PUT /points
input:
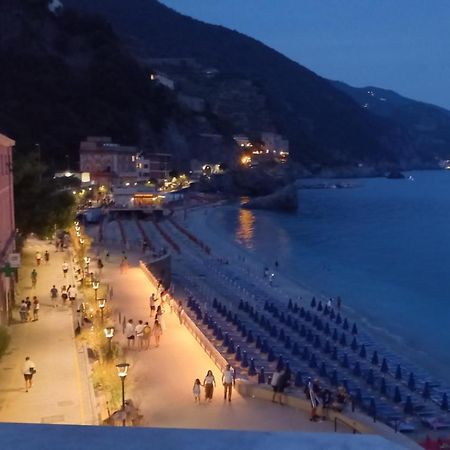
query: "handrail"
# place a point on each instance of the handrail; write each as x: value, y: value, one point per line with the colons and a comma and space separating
x: 172, y: 243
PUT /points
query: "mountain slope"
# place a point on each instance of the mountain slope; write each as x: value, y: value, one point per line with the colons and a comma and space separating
x: 324, y: 124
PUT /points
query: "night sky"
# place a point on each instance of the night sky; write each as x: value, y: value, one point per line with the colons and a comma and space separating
x: 402, y: 45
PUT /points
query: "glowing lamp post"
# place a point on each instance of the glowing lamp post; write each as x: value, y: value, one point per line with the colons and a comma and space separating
x: 95, y: 285
x: 122, y: 371
x: 109, y: 333
x: 101, y: 305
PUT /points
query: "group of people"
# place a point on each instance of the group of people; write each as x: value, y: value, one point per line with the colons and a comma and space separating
x: 279, y: 382
x: 38, y: 257
x: 29, y: 310
x: 69, y: 292
x: 142, y: 333
x: 209, y: 383
x: 323, y: 397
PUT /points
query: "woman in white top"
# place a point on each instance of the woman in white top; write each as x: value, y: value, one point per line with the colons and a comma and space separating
x: 209, y: 384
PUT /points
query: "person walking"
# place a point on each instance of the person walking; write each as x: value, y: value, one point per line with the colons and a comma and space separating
x: 64, y: 295
x: 65, y: 268
x: 28, y: 370
x: 54, y: 296
x: 152, y: 304
x: 129, y: 333
x: 34, y: 276
x: 23, y: 311
x: 228, y: 382
x: 139, y: 330
x: 28, y: 303
x: 314, y: 400
x: 46, y: 257
x: 196, y: 390
x: 72, y: 293
x: 147, y: 334
x: 36, y: 307
x: 209, y: 383
x: 38, y: 258
x: 157, y: 332
x: 275, y: 383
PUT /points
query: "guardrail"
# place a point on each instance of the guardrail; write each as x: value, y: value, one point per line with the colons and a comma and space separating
x: 172, y: 243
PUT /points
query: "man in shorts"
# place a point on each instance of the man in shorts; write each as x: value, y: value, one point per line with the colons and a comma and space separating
x: 129, y: 333
x: 65, y: 268
x: 28, y: 370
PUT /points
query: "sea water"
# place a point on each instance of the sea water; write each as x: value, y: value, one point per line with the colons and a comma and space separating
x: 383, y: 246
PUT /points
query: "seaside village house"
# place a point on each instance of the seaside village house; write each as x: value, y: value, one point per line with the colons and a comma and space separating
x: 124, y: 169
x: 7, y: 229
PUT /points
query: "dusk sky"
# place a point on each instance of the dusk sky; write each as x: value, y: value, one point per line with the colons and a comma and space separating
x: 402, y: 45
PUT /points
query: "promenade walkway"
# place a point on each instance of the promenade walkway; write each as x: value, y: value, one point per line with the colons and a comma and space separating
x: 160, y: 379
x: 61, y: 389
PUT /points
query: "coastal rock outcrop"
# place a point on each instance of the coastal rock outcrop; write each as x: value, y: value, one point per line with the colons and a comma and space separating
x: 284, y: 199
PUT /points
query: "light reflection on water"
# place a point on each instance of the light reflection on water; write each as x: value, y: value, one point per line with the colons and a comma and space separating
x: 246, y: 227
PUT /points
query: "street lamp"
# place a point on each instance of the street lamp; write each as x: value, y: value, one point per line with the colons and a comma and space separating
x: 109, y: 333
x: 101, y: 305
x: 122, y: 371
x: 95, y: 285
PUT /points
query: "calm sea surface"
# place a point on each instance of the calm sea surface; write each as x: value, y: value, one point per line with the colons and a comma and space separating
x: 384, y: 247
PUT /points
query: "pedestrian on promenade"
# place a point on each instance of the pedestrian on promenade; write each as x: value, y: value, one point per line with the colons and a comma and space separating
x: 152, y: 304
x: 139, y: 330
x: 313, y: 395
x: 47, y: 257
x: 64, y: 295
x: 180, y: 312
x: 157, y: 332
x: 100, y: 265
x: 34, y: 276
x: 124, y: 264
x: 28, y: 303
x: 147, y: 334
x: 196, y: 390
x: 54, y: 295
x: 72, y: 293
x: 38, y: 258
x: 28, y: 370
x: 129, y: 333
x: 228, y: 382
x: 65, y: 268
x: 159, y: 317
x: 23, y: 311
x: 209, y: 384
x: 36, y: 308
x: 275, y: 383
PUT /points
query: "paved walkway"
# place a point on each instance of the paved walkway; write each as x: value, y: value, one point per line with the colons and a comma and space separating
x: 60, y: 392
x: 160, y: 379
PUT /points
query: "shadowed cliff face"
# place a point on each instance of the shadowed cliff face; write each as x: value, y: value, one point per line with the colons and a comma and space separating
x: 325, y: 126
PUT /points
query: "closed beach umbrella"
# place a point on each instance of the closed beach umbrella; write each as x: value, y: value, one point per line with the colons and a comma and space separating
x: 243, y: 330
x: 357, y: 369
x: 354, y: 344
x: 319, y: 325
x: 250, y: 338
x: 323, y: 370
x: 295, y: 310
x: 372, y: 408
x: 334, y: 378
x: 326, y: 311
x: 344, y: 361
x: 287, y: 342
x: 282, y: 318
x: 327, y: 347
x: 305, y: 353
x: 426, y: 390
x: 289, y: 320
x: 309, y: 336
x: 397, y: 395
x: 444, y: 402
x: 246, y: 307
x: 313, y: 302
x: 334, y: 353
x: 338, y: 319
x: 235, y: 319
x: 231, y: 348
x: 398, y: 372
x: 244, y: 362
x: 308, y: 316
x: 384, y: 366
x: 252, y: 368
x: 264, y: 346
x: 327, y: 330
x: 219, y: 334
x: 362, y: 351
x: 332, y: 315
x: 302, y: 331
x: 298, y: 379
x: 266, y: 305
x: 319, y: 306
x: 241, y: 303
x: 238, y: 356
x: 295, y: 325
x: 290, y: 306
x: 281, y: 335
x: 270, y: 355
x: 343, y: 340
x: 370, y: 378
x: 302, y: 312
x: 258, y: 342
x: 226, y: 340
x: 345, y: 325
x: 316, y: 341
x: 383, y: 386
x: 274, y: 331
x: 375, y: 358
x: 280, y: 363
x: 263, y: 322
x: 261, y: 376
x: 354, y: 329
x: 295, y: 349
x: 409, y: 409
x: 206, y: 319
x: 313, y: 361
x: 335, y: 335
x: 411, y: 382
x: 229, y: 316
x: 256, y: 317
